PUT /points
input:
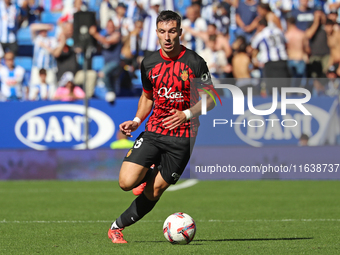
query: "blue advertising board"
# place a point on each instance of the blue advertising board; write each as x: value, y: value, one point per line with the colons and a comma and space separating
x: 57, y: 125
x: 221, y: 127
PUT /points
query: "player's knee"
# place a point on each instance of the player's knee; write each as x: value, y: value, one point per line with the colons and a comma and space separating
x: 124, y: 185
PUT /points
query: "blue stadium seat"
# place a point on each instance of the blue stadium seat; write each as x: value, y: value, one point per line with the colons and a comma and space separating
x: 97, y: 63
x: 25, y: 62
x: 24, y: 36
x: 50, y: 17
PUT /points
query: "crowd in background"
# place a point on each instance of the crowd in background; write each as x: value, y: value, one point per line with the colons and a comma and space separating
x: 249, y: 41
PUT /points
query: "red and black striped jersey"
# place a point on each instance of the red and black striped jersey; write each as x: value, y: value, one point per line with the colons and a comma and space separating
x: 170, y: 82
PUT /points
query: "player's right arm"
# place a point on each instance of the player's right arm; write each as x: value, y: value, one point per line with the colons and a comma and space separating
x: 144, y: 108
x: 145, y: 105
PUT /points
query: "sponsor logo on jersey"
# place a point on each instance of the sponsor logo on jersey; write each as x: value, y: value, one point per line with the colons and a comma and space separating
x: 62, y: 124
x: 167, y: 93
x: 184, y: 75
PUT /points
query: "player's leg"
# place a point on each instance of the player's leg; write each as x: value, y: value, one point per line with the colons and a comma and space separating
x: 144, y: 203
x: 131, y: 174
x: 134, y: 170
x: 141, y: 186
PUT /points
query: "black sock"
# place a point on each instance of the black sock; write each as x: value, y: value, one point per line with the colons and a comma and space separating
x: 137, y: 210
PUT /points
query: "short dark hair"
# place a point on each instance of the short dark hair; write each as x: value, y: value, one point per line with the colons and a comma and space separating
x: 166, y: 16
x: 42, y: 71
x: 265, y: 7
x: 330, y: 22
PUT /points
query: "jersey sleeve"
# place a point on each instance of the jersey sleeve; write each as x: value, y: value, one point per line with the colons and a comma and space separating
x: 203, y: 76
x: 256, y: 41
x: 147, y: 85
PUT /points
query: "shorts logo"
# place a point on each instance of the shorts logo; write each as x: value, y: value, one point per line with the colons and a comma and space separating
x: 175, y: 176
x: 138, y: 143
x: 129, y: 153
x: 184, y: 75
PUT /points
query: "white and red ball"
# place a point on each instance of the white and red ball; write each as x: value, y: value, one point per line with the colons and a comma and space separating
x: 179, y: 228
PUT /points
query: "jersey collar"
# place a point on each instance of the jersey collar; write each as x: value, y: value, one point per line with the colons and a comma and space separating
x: 174, y: 58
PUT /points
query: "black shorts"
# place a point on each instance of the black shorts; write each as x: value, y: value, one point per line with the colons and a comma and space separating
x: 170, y: 153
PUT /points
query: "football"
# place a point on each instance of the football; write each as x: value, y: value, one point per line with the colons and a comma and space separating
x: 179, y: 228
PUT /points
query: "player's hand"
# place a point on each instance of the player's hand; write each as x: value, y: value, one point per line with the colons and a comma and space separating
x: 128, y: 126
x: 175, y: 120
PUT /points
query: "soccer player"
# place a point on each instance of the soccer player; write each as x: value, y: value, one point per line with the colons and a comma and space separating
x: 172, y: 127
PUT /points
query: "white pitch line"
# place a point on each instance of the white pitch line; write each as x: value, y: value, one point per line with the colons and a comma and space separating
x: 212, y: 220
x: 183, y: 185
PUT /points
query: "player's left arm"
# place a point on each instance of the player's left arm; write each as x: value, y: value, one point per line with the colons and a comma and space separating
x: 180, y: 117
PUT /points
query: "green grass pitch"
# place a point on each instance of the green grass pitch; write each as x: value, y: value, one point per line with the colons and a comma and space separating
x: 232, y: 217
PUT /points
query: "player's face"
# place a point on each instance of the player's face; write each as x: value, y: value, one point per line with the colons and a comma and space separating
x: 168, y: 35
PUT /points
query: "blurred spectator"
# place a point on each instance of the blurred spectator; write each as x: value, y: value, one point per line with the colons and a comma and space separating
x: 123, y: 24
x: 11, y: 20
x: 42, y: 91
x: 64, y: 53
x: 246, y: 18
x: 181, y: 7
x: 333, y: 40
x: 193, y: 25
x: 269, y: 44
x: 135, y: 10
x: 232, y: 23
x: 264, y: 11
x: 106, y: 11
x: 304, y: 15
x: 241, y: 64
x: 149, y: 39
x: 13, y: 80
x: 67, y: 91
x: 303, y: 141
x: 66, y: 58
x: 44, y: 46
x: 319, y: 50
x: 332, y: 6
x: 2, y: 53
x: 69, y: 10
x: 32, y: 11
x: 222, y: 42
x: 131, y: 50
x: 221, y: 18
x: 333, y: 15
x: 111, y: 43
x: 333, y: 84
x: 122, y: 142
x: 297, y: 49
x: 216, y: 59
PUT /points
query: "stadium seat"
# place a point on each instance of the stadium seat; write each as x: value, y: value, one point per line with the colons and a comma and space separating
x: 50, y: 17
x: 25, y: 62
x: 97, y: 63
x: 24, y: 36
